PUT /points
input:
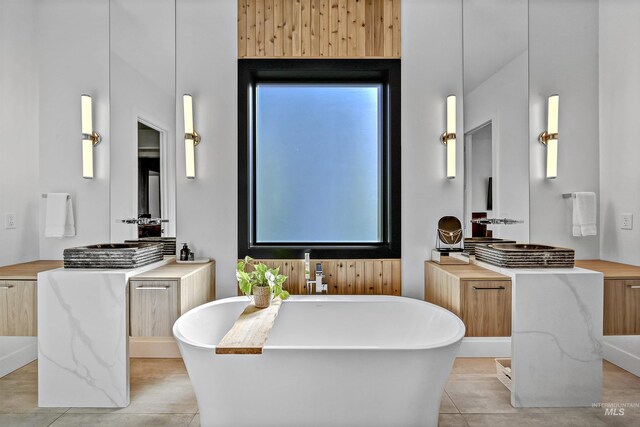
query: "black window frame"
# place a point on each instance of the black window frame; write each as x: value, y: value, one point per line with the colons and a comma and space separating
x: 380, y: 71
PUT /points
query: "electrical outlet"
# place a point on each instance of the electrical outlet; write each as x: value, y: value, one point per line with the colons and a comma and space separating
x: 9, y: 220
x: 626, y: 221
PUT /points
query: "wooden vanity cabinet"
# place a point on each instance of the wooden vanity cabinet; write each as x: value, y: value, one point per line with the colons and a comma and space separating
x: 480, y: 297
x: 158, y: 297
x: 18, y: 308
x: 621, y: 296
x: 19, y: 297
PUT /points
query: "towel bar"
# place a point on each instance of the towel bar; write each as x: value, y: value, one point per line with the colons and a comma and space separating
x: 44, y: 196
x: 569, y: 196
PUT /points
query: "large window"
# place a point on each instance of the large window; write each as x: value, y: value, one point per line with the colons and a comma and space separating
x: 317, y: 148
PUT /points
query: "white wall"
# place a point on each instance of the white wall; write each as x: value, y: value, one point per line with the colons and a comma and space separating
x: 503, y: 100
x: 431, y: 70
x: 73, y: 37
x: 563, y: 58
x: 619, y: 128
x: 18, y: 131
x: 206, y: 68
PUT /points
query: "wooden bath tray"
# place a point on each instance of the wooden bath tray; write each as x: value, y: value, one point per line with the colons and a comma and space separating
x: 250, y: 332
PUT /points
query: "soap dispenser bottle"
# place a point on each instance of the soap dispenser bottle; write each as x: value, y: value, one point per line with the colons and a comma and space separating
x: 184, y: 252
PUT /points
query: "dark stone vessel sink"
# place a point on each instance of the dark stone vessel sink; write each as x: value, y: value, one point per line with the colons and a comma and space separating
x: 524, y: 247
x: 113, y: 255
x: 525, y: 255
x: 470, y: 243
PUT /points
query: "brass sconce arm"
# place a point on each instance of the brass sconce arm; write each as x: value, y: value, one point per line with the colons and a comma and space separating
x: 544, y: 137
x: 195, y: 137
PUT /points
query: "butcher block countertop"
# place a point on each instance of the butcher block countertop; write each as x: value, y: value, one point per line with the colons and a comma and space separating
x: 28, y: 270
x: 469, y: 271
x: 611, y: 270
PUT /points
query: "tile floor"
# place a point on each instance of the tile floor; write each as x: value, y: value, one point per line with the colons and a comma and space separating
x: 161, y: 395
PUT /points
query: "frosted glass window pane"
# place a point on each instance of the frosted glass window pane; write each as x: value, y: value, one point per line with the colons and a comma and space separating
x: 318, y: 161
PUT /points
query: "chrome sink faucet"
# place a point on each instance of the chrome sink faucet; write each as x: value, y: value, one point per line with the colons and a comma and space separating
x: 320, y: 288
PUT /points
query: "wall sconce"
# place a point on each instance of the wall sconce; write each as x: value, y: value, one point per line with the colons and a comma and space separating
x: 449, y: 137
x: 191, y: 137
x: 89, y: 137
x: 550, y: 136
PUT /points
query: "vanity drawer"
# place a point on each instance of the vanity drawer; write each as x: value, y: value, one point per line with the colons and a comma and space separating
x: 621, y: 307
x: 18, y: 309
x: 154, y: 307
x: 486, y: 308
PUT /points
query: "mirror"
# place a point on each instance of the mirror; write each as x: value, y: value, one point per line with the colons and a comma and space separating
x: 496, y: 117
x: 143, y: 116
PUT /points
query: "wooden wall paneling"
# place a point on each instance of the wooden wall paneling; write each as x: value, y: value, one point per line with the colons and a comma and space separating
x: 396, y: 277
x: 387, y: 288
x: 350, y: 288
x: 287, y: 16
x: 378, y: 28
x: 344, y: 276
x: 377, y: 277
x: 352, y: 47
x: 330, y: 269
x: 251, y: 28
x: 361, y: 28
x: 296, y: 25
x: 397, y: 40
x: 388, y: 28
x: 319, y: 28
x: 305, y: 29
x: 259, y: 27
x: 369, y: 20
x: 333, y: 28
x: 342, y: 28
x: 359, y: 279
x: 369, y: 275
x: 341, y: 270
x: 278, y: 27
x: 268, y: 28
x: 242, y: 28
x: 324, y: 27
x: 315, y: 28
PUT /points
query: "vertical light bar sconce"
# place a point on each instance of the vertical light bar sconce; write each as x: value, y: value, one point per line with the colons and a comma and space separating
x: 550, y: 136
x: 449, y: 137
x: 89, y: 137
x: 191, y: 137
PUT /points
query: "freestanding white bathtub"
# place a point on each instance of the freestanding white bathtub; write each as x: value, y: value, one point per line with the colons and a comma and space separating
x: 329, y: 361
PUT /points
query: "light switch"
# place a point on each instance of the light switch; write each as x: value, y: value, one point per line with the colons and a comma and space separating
x: 626, y: 221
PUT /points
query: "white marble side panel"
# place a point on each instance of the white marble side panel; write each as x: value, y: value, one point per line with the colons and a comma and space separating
x: 556, y: 337
x: 83, y: 338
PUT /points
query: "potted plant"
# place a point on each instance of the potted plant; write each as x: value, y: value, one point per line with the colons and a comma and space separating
x: 261, y: 282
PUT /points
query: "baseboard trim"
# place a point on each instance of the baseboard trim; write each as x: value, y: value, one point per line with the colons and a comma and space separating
x: 154, y: 347
x: 485, y: 347
x: 19, y: 352
x: 621, y: 357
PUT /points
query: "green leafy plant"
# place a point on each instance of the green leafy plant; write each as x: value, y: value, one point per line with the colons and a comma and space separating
x: 260, y: 276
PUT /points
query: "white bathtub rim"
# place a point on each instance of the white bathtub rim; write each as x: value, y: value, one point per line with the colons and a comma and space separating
x: 456, y: 338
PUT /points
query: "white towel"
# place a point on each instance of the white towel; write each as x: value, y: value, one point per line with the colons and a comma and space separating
x: 59, y: 221
x: 584, y: 214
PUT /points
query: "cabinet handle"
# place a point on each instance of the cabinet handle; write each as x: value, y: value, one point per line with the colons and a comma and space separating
x: 499, y: 288
x: 634, y: 286
x: 6, y: 287
x: 152, y: 288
